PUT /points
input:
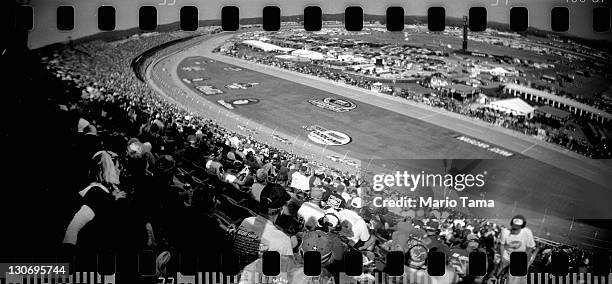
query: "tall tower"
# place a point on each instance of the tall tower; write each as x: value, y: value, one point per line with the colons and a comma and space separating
x: 465, y: 33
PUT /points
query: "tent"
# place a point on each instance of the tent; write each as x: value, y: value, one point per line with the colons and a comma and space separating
x: 266, y: 46
x: 312, y: 55
x: 514, y: 106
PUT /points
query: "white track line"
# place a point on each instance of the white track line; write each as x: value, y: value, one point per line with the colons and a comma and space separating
x: 529, y: 148
x: 428, y: 116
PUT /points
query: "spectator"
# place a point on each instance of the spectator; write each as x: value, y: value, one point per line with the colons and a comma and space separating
x: 162, y: 203
x: 355, y: 229
x: 310, y: 213
x: 283, y: 173
x: 331, y: 199
x: 261, y: 180
x: 96, y: 219
x: 258, y: 234
x: 518, y: 239
x: 316, y: 195
x: 136, y: 174
x: 215, y: 168
x: 245, y: 179
x: 292, y: 269
x: 88, y: 144
x: 331, y: 250
x: 300, y: 181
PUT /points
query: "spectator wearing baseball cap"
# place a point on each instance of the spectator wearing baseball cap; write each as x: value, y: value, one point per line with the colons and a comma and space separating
x: 329, y: 247
x: 260, y: 233
x: 518, y: 239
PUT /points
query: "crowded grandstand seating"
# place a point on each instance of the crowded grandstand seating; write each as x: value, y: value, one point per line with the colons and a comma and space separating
x: 152, y: 177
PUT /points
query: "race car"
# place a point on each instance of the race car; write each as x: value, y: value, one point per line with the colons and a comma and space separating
x: 351, y: 163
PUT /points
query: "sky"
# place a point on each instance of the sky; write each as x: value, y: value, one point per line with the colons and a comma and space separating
x: 45, y: 31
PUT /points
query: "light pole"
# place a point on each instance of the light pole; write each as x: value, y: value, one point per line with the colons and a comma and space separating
x: 323, y: 152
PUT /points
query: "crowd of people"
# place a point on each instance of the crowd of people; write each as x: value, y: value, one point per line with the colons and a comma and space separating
x: 149, y: 175
x: 599, y: 151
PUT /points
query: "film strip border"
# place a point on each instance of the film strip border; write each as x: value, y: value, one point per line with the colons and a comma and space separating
x: 188, y: 265
x: 353, y: 18
x: 50, y: 21
x: 221, y: 278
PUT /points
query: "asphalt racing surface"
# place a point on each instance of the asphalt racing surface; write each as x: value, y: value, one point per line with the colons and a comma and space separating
x: 539, y: 180
x: 284, y: 105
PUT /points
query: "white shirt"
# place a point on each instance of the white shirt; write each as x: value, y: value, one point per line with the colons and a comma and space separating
x: 300, y: 181
x: 353, y: 226
x: 346, y: 196
x: 310, y: 211
x: 519, y: 242
x: 269, y: 237
x: 234, y: 141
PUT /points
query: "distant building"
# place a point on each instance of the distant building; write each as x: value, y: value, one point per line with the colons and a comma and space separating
x: 549, y: 79
x: 460, y: 91
x: 436, y: 81
x: 546, y: 98
x: 552, y: 113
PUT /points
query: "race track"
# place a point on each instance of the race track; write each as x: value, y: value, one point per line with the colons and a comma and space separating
x: 539, y: 180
